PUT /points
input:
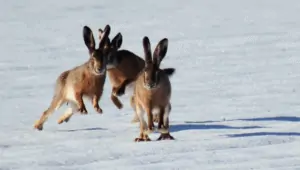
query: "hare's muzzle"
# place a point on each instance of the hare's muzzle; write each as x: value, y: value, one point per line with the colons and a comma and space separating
x: 150, y: 86
x: 101, y: 70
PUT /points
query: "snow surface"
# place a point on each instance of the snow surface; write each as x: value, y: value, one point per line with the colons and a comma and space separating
x: 235, y: 93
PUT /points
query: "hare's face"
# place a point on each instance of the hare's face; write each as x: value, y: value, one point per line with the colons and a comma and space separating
x: 111, y: 56
x: 151, y: 77
x: 111, y: 48
x: 98, y: 62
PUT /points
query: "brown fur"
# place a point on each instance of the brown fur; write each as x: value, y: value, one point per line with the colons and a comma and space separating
x: 124, y: 68
x: 86, y: 80
x: 124, y: 73
x: 153, y: 90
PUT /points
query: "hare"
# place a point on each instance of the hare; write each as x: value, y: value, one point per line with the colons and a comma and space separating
x: 153, y: 90
x: 86, y: 80
x: 123, y: 66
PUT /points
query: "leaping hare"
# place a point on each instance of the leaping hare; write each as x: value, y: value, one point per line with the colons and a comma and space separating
x: 86, y: 80
x: 123, y: 67
x: 153, y: 90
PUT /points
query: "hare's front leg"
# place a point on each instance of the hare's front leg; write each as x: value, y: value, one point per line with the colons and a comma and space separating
x: 164, y: 120
x: 115, y: 99
x: 150, y: 120
x: 96, y: 99
x: 121, y: 89
x: 80, y: 103
x: 143, y: 125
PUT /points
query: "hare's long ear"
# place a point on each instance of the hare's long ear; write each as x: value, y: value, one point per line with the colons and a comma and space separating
x: 160, y: 51
x: 117, y: 41
x: 147, y: 50
x: 100, y: 31
x: 88, y: 38
x: 107, y: 41
x: 104, y: 36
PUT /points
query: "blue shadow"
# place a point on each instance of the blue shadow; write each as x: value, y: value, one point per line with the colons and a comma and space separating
x: 183, y: 127
x: 279, y: 118
x: 264, y: 134
x: 276, y: 118
x: 84, y: 129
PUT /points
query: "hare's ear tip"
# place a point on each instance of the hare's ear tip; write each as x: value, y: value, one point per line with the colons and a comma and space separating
x: 146, y: 39
x: 86, y: 30
x: 107, y: 26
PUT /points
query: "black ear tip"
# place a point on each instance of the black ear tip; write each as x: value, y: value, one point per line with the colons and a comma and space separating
x: 145, y: 39
x: 165, y: 41
x: 86, y: 28
x: 107, y: 27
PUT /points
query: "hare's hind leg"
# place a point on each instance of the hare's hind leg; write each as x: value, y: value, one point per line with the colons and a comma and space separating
x: 56, y: 103
x: 132, y: 103
x: 68, y: 113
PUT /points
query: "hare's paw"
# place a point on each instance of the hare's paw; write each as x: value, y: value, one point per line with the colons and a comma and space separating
x: 143, y: 139
x: 82, y: 110
x: 38, y: 125
x: 98, y: 109
x: 63, y: 119
x: 120, y: 91
x: 165, y: 136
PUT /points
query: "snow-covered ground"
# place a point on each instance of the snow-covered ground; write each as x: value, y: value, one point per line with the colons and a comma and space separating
x: 235, y: 93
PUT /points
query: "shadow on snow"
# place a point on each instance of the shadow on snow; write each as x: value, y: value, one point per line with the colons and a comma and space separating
x: 84, y: 129
x: 275, y: 118
x: 182, y: 127
x: 264, y: 134
x: 279, y: 118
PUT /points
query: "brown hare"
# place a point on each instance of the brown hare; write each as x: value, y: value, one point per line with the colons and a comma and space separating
x: 123, y: 66
x: 86, y: 80
x: 152, y: 90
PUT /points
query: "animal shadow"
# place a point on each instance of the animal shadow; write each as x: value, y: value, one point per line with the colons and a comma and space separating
x: 275, y: 118
x: 84, y: 129
x: 264, y: 134
x: 278, y: 118
x: 190, y: 126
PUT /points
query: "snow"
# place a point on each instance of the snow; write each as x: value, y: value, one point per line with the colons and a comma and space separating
x: 235, y: 100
